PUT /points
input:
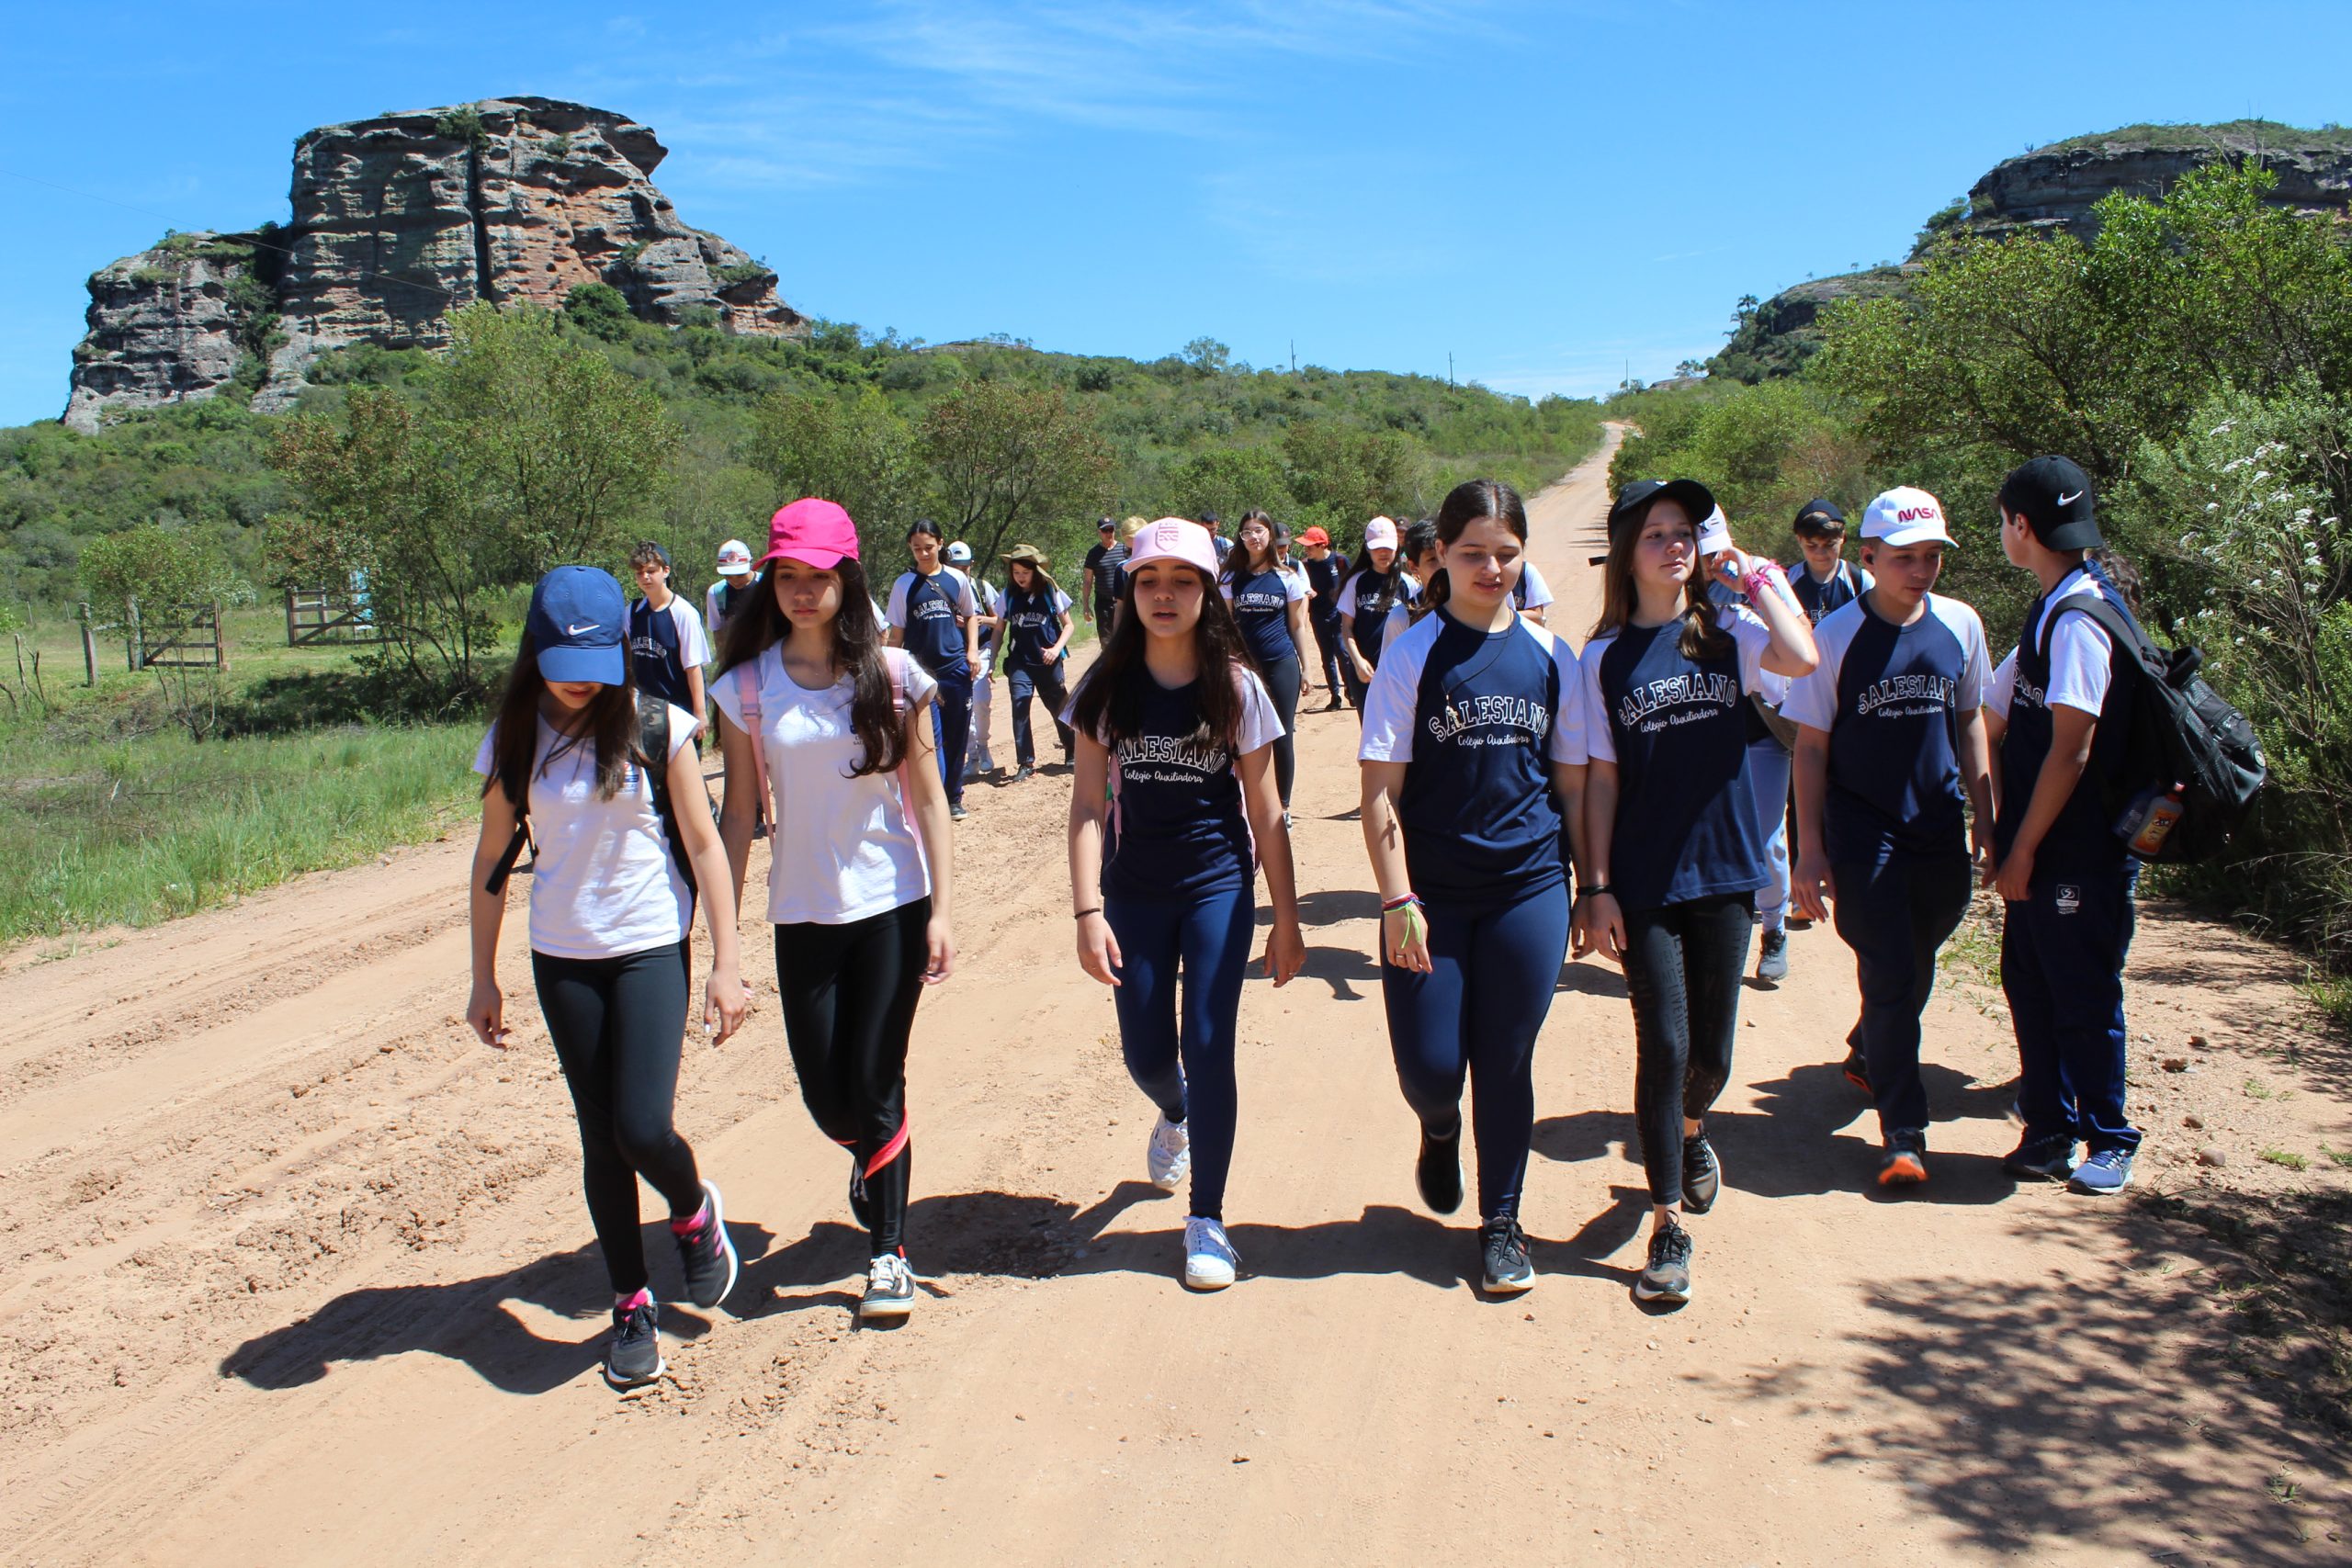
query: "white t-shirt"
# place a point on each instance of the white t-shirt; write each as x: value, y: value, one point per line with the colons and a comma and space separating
x: 1539, y: 592
x: 604, y: 884
x: 693, y: 642
x: 1748, y: 634
x: 711, y: 617
x: 843, y: 848
x: 1392, y: 701
x: 2081, y: 655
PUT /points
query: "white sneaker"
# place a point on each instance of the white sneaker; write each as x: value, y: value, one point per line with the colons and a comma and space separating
x: 889, y: 1289
x: 1210, y: 1261
x: 1169, y: 1155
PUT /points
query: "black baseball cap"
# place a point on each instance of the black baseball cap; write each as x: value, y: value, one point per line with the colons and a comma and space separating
x: 1106, y: 523
x: 2056, y: 499
x: 1820, y: 513
x: 1210, y: 520
x: 1634, y: 500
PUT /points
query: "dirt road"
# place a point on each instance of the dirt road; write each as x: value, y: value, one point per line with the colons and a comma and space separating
x: 297, y: 1273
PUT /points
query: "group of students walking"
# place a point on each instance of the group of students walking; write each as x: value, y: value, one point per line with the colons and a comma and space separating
x: 1521, y: 802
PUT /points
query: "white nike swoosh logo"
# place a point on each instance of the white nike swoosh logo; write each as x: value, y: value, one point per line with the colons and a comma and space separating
x: 2069, y: 499
x: 575, y: 631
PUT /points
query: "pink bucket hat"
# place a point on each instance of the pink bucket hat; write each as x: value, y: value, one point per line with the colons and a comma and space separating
x: 816, y: 533
x: 1176, y: 540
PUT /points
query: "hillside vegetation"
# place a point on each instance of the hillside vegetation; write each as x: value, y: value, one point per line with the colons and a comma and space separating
x: 2196, y: 358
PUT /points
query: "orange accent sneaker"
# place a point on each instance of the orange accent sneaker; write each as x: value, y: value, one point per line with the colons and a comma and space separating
x: 1905, y: 1164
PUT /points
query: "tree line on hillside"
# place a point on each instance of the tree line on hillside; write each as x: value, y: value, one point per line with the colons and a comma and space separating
x: 704, y: 433
x: 2196, y: 358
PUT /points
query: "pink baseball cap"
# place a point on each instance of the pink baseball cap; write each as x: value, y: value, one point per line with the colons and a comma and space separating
x: 815, y: 532
x: 1176, y: 540
x: 1380, y: 534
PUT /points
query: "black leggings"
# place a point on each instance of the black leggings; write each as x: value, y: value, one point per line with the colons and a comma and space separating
x: 1281, y: 676
x: 1682, y: 969
x: 618, y: 1024
x: 849, y: 995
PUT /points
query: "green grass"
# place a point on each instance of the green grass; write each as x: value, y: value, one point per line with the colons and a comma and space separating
x: 2285, y: 1158
x: 137, y: 831
x: 2332, y: 995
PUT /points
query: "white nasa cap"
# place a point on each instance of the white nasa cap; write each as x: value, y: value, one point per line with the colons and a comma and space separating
x: 1905, y: 516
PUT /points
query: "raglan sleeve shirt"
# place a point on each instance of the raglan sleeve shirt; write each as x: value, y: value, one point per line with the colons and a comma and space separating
x: 694, y: 638
x: 1813, y: 699
x: 1391, y: 701
x: 896, y: 616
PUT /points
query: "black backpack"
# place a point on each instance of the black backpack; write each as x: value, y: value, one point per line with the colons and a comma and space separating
x: 653, y: 742
x: 2179, y: 732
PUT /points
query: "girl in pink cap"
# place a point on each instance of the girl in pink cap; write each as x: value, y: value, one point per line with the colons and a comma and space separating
x: 818, y: 713
x: 1175, y: 743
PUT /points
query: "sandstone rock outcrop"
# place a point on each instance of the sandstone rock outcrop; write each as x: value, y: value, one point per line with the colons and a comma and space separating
x: 396, y: 221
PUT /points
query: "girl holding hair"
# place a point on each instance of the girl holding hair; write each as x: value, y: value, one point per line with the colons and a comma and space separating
x: 1037, y: 636
x: 1472, y: 758
x: 1174, y: 733
x: 1376, y: 585
x: 1270, y: 607
x: 612, y: 906
x: 935, y: 614
x: 1672, y: 842
x: 828, y: 726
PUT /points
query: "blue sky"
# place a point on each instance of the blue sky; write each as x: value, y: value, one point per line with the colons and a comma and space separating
x: 1550, y: 193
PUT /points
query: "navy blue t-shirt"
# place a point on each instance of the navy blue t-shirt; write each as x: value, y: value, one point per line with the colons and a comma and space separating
x: 1820, y: 599
x: 2025, y: 689
x: 1893, y: 700
x: 1479, y: 718
x: 1369, y: 596
x: 1032, y: 622
x: 929, y: 612
x: 1262, y: 609
x: 1323, y: 579
x: 1677, y: 728
x: 1178, y: 829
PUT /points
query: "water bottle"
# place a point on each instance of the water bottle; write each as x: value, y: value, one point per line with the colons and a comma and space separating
x: 2150, y: 820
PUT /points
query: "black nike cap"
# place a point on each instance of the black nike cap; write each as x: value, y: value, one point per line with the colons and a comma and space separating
x: 1634, y: 500
x: 2056, y: 499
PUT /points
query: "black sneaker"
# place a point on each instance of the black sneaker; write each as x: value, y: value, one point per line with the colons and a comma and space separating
x: 1772, y: 960
x: 955, y: 810
x: 1858, y: 1072
x: 1438, y: 1172
x: 1667, y: 1277
x: 707, y: 1255
x: 889, y: 1290
x: 1024, y: 773
x: 634, y: 1358
x: 1904, y: 1162
x: 1503, y: 1246
x: 1702, y: 1173
x: 1336, y: 703
x: 2052, y: 1157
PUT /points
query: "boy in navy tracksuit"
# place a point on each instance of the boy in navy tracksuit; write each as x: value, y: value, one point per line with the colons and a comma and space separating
x: 2060, y: 702
x: 1890, y: 747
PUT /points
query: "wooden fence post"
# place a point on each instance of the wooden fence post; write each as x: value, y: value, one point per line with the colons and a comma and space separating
x: 134, y: 644
x: 289, y: 617
x: 219, y: 639
x: 89, y: 648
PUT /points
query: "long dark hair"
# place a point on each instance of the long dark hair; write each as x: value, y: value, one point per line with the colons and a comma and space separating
x: 609, y: 724
x: 1239, y: 566
x: 857, y: 650
x: 1702, y: 636
x: 1363, y: 563
x: 1109, y: 704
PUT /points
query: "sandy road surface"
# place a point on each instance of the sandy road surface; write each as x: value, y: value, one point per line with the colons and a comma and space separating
x: 297, y: 1273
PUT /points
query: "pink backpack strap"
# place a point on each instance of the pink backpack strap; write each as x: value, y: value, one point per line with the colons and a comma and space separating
x: 747, y: 698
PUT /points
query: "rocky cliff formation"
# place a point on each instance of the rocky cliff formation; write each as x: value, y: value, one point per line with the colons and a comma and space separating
x: 396, y: 221
x: 2048, y: 190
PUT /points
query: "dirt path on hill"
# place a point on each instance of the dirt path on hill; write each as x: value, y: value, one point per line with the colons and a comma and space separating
x: 296, y: 1272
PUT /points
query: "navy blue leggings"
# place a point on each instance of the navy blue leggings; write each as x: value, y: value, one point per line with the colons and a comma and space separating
x: 1475, y: 1015
x: 950, y: 728
x: 1184, y: 1058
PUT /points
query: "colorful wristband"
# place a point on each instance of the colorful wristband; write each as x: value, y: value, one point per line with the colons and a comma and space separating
x: 1410, y: 901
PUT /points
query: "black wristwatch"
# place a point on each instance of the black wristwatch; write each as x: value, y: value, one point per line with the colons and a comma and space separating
x: 1590, y: 888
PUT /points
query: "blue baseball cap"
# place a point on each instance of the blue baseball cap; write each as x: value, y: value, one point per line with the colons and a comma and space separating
x: 579, y: 624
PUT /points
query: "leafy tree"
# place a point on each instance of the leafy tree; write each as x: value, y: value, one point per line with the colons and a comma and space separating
x: 1230, y: 480
x: 555, y: 444
x: 1340, y: 476
x: 1005, y: 456
x: 144, y: 577
x: 853, y: 450
x: 599, y: 310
